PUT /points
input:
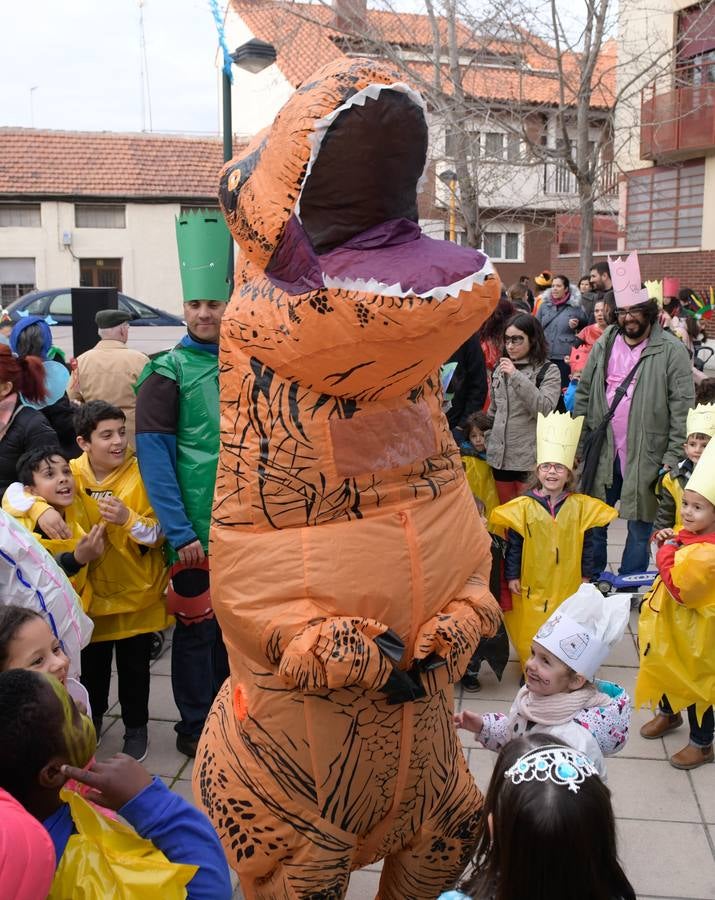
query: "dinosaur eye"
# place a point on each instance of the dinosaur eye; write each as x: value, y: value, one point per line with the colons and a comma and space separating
x: 234, y: 179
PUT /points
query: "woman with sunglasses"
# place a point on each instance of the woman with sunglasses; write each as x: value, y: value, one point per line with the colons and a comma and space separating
x: 524, y: 383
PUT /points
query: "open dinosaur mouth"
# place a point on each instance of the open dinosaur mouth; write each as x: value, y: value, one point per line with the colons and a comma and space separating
x: 355, y: 222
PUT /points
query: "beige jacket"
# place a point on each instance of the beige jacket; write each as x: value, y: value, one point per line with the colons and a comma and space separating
x: 108, y: 372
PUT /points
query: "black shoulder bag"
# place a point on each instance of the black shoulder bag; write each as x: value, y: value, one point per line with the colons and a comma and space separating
x: 593, y: 444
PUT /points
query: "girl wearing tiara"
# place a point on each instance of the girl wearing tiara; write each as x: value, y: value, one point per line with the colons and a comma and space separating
x: 547, y: 829
x: 548, y: 548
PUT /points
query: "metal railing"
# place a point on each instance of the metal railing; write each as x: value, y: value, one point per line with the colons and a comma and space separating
x: 678, y: 111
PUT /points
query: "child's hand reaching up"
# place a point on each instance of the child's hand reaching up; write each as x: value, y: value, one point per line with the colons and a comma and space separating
x: 112, y: 783
x: 469, y: 721
x: 91, y: 546
x: 113, y: 510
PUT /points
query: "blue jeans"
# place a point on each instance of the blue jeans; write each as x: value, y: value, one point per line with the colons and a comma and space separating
x: 701, y: 735
x: 199, y: 666
x: 636, y: 554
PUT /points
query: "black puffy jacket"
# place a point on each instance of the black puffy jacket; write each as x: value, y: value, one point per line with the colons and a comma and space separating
x: 28, y: 428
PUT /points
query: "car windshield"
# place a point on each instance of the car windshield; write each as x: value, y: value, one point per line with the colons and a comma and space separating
x: 61, y: 305
x: 137, y: 308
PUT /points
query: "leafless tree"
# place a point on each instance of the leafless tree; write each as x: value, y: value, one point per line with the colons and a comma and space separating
x: 567, y: 136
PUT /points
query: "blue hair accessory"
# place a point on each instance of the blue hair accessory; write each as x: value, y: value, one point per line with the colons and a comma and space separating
x: 562, y: 765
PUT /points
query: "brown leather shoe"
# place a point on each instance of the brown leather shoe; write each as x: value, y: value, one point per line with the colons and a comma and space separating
x: 659, y: 725
x: 691, y: 757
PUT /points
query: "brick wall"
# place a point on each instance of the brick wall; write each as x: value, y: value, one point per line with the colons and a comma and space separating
x: 695, y: 269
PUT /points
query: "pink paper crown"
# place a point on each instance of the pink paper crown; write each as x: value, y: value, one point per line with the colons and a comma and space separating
x: 626, y: 278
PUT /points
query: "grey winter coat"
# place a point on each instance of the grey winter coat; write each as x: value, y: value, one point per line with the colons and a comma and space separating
x: 516, y: 400
x: 555, y: 322
x: 663, y: 394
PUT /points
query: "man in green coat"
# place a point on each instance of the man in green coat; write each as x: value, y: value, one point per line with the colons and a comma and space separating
x: 177, y: 445
x: 647, y: 432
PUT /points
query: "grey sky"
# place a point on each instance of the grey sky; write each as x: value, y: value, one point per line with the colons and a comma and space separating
x: 84, y: 58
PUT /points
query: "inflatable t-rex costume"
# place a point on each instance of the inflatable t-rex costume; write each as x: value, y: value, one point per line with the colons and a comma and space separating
x: 349, y: 567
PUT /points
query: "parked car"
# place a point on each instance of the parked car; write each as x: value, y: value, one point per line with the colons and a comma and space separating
x: 58, y: 304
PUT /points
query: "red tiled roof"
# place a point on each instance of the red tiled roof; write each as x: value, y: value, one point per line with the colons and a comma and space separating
x: 306, y: 37
x: 106, y: 164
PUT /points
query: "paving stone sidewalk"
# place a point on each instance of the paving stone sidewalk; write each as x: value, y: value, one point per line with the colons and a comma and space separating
x: 665, y: 817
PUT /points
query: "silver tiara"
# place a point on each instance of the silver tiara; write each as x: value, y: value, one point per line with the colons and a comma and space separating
x: 552, y: 763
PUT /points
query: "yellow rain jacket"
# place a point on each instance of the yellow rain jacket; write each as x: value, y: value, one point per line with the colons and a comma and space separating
x: 129, y: 579
x: 551, y: 557
x: 677, y: 639
x: 673, y: 486
x: 481, y: 481
x: 26, y: 508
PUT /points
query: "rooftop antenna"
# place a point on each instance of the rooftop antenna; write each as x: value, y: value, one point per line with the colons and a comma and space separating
x: 145, y: 90
x: 32, y: 105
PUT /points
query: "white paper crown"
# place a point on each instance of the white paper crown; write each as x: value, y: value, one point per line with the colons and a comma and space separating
x: 702, y: 481
x: 701, y: 419
x: 562, y: 765
x: 557, y: 436
x: 583, y: 629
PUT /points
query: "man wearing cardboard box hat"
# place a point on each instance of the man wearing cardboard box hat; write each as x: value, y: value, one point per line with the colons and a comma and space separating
x: 177, y: 448
x: 634, y: 392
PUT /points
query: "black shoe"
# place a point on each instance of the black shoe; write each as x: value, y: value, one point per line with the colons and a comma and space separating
x: 98, y: 729
x: 470, y: 681
x: 187, y: 745
x: 136, y: 743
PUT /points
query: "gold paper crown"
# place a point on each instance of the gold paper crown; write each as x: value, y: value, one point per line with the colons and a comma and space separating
x: 655, y: 291
x: 701, y: 419
x: 557, y: 436
x: 702, y: 481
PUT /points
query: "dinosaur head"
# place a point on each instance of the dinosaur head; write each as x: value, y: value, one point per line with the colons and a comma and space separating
x: 323, y: 206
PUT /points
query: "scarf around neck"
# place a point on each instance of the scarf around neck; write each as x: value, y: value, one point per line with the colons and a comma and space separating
x: 557, y: 709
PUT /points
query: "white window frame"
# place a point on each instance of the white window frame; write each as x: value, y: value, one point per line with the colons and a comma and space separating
x: 503, y: 230
x: 98, y: 209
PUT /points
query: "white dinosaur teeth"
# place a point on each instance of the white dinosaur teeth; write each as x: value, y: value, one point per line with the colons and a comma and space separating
x: 439, y: 292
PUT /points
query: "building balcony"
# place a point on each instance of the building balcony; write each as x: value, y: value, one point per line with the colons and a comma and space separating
x: 559, y: 180
x: 678, y: 114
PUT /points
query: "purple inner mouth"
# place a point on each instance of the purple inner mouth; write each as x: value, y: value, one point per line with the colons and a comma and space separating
x: 391, y: 252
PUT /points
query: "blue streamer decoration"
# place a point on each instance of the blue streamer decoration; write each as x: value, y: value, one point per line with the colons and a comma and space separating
x: 218, y: 18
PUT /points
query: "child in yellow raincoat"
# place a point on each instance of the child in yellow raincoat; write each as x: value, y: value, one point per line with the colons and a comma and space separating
x: 477, y: 469
x: 676, y: 631
x: 45, y: 475
x: 700, y: 427
x: 547, y: 555
x: 128, y: 580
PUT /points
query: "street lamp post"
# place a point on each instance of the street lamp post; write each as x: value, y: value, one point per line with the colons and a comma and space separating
x: 450, y: 179
x: 253, y: 56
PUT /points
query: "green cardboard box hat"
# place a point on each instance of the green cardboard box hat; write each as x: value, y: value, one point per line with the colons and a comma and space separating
x: 203, y: 242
